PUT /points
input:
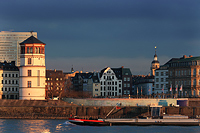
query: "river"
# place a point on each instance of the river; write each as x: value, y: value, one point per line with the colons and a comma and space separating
x: 63, y: 126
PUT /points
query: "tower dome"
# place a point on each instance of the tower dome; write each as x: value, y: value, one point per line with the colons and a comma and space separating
x: 154, y: 64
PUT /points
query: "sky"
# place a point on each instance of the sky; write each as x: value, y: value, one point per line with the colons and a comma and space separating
x: 93, y: 34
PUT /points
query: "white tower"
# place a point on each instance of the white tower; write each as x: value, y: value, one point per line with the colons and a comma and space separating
x: 32, y: 70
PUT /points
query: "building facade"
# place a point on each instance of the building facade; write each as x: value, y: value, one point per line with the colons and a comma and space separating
x: 55, y: 83
x: 184, y: 74
x: 161, y: 80
x: 115, y: 82
x: 32, y: 69
x: 9, y: 80
x: 143, y: 85
x: 9, y: 45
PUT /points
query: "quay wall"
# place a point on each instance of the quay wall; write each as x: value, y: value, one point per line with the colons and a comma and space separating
x: 35, y: 109
x: 89, y: 111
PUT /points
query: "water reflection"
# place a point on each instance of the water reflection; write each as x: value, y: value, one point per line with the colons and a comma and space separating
x: 32, y: 126
x: 2, y: 126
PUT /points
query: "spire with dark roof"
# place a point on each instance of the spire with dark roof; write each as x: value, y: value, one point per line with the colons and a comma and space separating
x: 31, y: 40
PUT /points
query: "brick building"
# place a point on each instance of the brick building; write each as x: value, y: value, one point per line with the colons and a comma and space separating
x: 55, y: 83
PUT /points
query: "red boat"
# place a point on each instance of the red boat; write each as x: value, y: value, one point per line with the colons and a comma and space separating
x: 78, y: 121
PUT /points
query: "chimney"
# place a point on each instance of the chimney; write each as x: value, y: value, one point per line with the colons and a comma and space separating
x: 190, y: 56
x: 184, y: 56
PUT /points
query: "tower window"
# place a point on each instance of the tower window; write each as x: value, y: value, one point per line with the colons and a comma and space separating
x: 29, y: 60
x: 29, y: 84
x: 29, y: 72
x: 31, y: 50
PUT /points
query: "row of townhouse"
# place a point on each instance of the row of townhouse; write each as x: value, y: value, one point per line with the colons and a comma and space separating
x: 110, y: 82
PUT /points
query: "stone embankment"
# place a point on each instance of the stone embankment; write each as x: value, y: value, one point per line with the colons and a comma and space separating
x: 24, y: 109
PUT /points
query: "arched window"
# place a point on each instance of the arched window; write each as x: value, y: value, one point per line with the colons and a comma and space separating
x: 28, y: 50
x: 39, y: 50
x: 31, y: 50
x: 36, y: 50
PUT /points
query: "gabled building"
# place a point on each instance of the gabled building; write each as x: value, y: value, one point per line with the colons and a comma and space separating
x: 87, y: 82
x: 115, y: 81
x: 9, y: 80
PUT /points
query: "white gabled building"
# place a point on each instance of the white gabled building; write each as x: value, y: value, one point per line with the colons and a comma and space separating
x: 111, y: 84
x: 32, y: 69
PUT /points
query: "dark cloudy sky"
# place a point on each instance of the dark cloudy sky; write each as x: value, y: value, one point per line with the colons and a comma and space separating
x: 93, y: 34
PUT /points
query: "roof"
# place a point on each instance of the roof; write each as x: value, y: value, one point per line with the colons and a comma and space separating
x: 187, y: 59
x: 8, y: 66
x: 31, y: 40
x: 119, y: 72
x: 155, y: 61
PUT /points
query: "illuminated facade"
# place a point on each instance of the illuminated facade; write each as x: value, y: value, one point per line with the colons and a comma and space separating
x: 32, y: 69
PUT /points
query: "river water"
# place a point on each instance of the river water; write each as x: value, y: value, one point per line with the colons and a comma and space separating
x: 63, y: 126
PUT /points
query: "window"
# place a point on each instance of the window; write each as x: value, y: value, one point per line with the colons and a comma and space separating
x: 128, y: 85
x: 29, y: 84
x: 194, y: 82
x: 28, y: 50
x: 124, y: 85
x: 96, y: 89
x: 194, y: 72
x: 162, y: 80
x: 5, y: 81
x: 5, y: 75
x: 119, y: 85
x: 124, y: 78
x: 31, y: 50
x: 161, y: 73
x: 157, y: 73
x: 128, y: 79
x: 29, y: 60
x: 166, y: 73
x: 157, y: 85
x: 2, y: 75
x: 29, y: 72
x: 9, y: 75
x: 5, y: 89
x: 120, y: 90
x: 13, y: 75
x: 157, y: 79
x: 16, y: 82
x: 38, y: 78
x: 16, y: 75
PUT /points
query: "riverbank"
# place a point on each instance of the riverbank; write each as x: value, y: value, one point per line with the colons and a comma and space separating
x: 24, y: 109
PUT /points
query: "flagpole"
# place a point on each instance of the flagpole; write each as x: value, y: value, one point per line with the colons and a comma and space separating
x: 137, y: 92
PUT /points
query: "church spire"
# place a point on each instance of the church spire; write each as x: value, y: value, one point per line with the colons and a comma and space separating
x: 154, y: 64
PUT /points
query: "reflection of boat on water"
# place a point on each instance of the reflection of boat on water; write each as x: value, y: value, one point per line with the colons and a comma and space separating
x: 171, y: 120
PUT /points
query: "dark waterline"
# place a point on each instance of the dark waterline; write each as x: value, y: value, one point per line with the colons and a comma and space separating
x: 63, y: 126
